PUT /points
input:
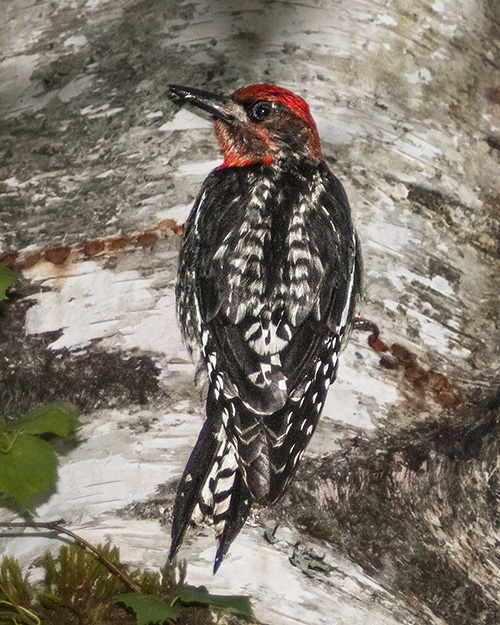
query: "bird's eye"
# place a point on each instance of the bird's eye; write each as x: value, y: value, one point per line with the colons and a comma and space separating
x: 260, y: 111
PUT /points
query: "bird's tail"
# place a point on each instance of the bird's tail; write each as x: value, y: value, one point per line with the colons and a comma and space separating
x: 231, y: 501
x: 211, y: 485
x: 191, y: 491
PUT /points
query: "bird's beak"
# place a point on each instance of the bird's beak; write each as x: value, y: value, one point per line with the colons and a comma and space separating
x: 219, y: 106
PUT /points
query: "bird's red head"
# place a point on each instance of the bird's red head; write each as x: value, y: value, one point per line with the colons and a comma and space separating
x: 259, y: 124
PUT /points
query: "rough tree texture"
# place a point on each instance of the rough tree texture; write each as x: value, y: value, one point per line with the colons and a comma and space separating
x: 400, y: 489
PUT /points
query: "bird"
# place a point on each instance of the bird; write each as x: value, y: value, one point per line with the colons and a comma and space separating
x: 268, y: 285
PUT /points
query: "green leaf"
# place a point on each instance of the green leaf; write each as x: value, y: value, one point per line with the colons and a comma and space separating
x: 28, y: 467
x: 59, y: 418
x: 238, y: 603
x: 148, y: 609
x: 7, y: 279
x: 6, y: 442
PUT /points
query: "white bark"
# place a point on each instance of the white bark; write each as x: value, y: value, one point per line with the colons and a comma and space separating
x: 406, y: 98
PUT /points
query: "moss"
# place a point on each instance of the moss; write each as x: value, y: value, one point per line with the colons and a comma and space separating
x: 318, y: 526
x: 79, y: 589
x: 13, y: 583
x: 78, y: 584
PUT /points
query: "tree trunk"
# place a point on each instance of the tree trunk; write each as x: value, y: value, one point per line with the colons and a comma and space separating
x: 400, y: 487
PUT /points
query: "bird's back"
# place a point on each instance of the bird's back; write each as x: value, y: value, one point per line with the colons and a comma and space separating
x: 266, y: 275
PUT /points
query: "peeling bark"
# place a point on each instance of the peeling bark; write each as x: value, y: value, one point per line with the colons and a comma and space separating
x: 98, y: 169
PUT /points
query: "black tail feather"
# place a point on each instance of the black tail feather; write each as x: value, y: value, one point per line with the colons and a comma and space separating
x: 234, y: 518
x: 193, y: 479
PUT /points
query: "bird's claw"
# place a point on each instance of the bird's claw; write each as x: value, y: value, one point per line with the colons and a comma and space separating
x: 365, y: 325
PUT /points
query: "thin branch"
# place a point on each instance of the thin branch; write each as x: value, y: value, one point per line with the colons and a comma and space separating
x: 57, y: 526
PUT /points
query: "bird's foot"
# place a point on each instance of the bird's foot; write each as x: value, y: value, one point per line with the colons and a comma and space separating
x: 365, y: 325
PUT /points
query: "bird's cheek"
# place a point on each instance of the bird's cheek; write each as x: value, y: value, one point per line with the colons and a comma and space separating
x: 243, y: 144
x: 262, y: 143
x: 259, y: 143
x: 223, y: 135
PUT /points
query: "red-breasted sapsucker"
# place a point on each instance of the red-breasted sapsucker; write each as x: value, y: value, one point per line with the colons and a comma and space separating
x: 269, y: 277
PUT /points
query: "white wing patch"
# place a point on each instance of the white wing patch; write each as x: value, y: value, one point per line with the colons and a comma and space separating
x: 268, y: 338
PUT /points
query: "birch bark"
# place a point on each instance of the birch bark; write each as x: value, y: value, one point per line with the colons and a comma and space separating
x: 400, y: 487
